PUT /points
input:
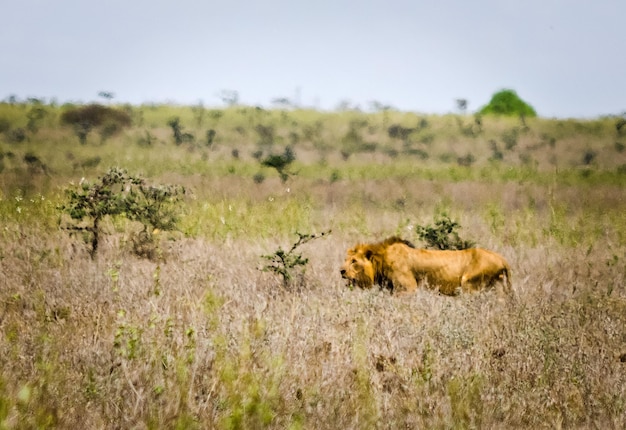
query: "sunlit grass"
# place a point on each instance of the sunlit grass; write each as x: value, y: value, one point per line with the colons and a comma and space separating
x: 237, y: 217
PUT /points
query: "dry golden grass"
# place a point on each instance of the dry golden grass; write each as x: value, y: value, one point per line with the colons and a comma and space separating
x: 200, y: 337
x: 205, y: 339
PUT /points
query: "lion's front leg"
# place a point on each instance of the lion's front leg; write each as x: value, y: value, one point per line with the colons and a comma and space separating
x: 403, y: 283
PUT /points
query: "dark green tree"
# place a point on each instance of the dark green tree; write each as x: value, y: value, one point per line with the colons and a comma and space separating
x: 86, y: 118
x: 281, y: 162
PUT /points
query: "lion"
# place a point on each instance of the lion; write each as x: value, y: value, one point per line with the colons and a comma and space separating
x: 397, y: 265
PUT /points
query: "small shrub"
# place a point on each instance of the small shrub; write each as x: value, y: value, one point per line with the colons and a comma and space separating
x: 284, y: 263
x: 352, y: 141
x: 258, y: 178
x: 16, y: 135
x: 266, y: 134
x: 396, y: 131
x: 509, y: 138
x: 588, y: 157
x: 526, y: 159
x: 34, y: 163
x: 35, y: 115
x: 210, y: 137
x: 442, y: 235
x: 467, y: 160
x: 620, y: 126
x: 427, y: 139
x: 8, y: 155
x: 180, y: 136
x: 496, y: 153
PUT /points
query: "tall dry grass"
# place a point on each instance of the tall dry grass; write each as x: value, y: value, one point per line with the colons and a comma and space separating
x: 203, y: 338
x: 200, y: 337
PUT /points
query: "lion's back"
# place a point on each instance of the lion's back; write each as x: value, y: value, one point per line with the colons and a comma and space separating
x: 491, y: 258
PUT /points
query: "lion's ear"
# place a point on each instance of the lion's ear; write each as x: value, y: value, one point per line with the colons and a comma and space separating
x: 368, y: 254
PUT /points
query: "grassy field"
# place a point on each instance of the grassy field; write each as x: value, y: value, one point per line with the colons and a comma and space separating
x: 201, y: 337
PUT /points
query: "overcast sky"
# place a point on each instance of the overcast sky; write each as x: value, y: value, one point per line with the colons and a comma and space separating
x: 567, y: 58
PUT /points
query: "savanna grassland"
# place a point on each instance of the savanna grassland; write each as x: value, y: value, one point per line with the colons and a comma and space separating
x: 194, y: 334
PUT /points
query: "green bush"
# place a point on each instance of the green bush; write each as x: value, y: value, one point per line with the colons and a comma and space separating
x: 443, y: 235
x: 284, y: 263
x: 508, y: 103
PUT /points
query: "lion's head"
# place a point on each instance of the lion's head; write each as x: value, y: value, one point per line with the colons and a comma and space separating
x: 364, y: 263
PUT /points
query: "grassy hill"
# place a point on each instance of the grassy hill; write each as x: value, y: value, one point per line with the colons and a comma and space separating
x: 198, y: 336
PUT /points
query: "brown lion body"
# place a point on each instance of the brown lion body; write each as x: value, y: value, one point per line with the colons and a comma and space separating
x: 396, y: 264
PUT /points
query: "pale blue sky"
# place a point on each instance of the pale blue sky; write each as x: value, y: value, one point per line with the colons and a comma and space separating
x: 566, y: 57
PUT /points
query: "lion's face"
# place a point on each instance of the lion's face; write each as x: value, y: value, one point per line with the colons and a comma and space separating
x: 357, y: 269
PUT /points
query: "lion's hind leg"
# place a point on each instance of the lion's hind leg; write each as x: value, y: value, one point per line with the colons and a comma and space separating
x: 472, y: 282
x: 504, y: 277
x: 501, y: 281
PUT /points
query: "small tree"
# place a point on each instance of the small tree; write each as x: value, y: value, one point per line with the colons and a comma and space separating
x: 86, y: 118
x: 118, y: 193
x: 36, y: 113
x: 284, y: 263
x: 229, y: 97
x: 107, y: 95
x: 281, y: 163
x: 461, y: 105
x: 508, y: 103
x: 443, y: 235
